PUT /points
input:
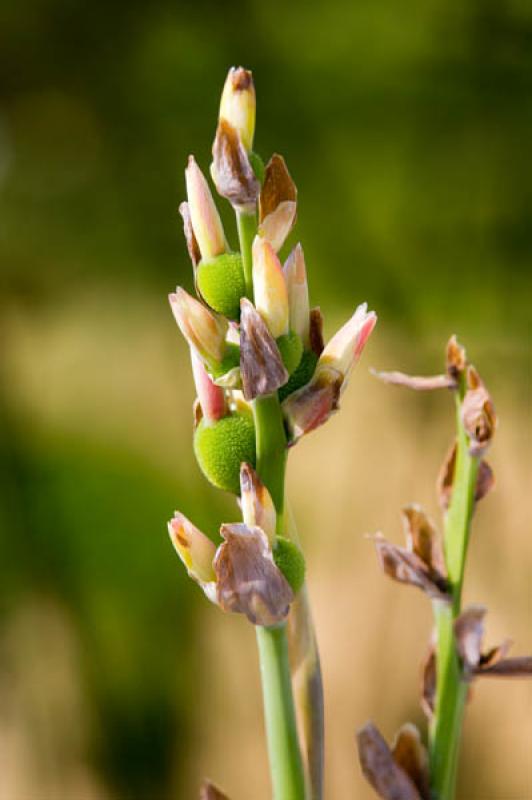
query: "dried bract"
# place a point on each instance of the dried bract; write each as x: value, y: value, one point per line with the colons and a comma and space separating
x: 316, y: 331
x: 381, y: 770
x: 248, y: 581
x: 256, y: 502
x: 313, y: 404
x: 469, y: 632
x: 209, y: 791
x: 421, y: 383
x: 455, y: 361
x: 278, y: 187
x: 478, y: 414
x: 406, y: 567
x: 231, y: 170
x: 444, y: 483
x: 410, y: 754
x: 423, y: 539
x: 428, y: 683
x: 261, y: 365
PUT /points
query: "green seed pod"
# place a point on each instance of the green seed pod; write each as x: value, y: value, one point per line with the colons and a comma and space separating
x: 290, y: 561
x: 291, y: 349
x: 257, y: 165
x: 221, y: 283
x: 221, y: 447
x: 301, y: 376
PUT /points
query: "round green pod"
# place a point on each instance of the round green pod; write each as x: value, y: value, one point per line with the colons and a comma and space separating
x: 289, y: 558
x: 221, y: 447
x: 221, y: 283
x: 257, y: 165
x: 301, y: 376
x: 291, y: 349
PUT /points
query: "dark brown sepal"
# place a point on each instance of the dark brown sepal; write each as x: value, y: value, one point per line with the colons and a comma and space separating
x: 247, y: 579
x: 192, y: 244
x: 444, y: 483
x: 278, y: 187
x: 428, y: 683
x: 469, y: 632
x: 316, y: 331
x: 423, y: 539
x: 232, y: 172
x: 381, y: 770
x: 407, y: 567
x: 410, y: 754
x: 261, y: 366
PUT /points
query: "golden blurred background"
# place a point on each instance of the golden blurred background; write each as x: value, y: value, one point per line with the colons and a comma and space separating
x: 406, y: 131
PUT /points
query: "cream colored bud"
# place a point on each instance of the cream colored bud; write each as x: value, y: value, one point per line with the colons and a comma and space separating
x: 203, y: 330
x: 204, y: 216
x: 238, y: 104
x: 195, y: 550
x: 269, y: 286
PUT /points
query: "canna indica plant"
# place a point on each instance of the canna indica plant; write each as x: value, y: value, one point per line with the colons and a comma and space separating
x: 263, y: 379
x: 406, y: 771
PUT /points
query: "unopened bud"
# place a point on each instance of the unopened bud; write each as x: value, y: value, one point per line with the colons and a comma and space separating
x: 277, y: 203
x: 211, y: 397
x: 204, y: 331
x: 345, y: 348
x: 313, y: 404
x: 257, y: 505
x: 238, y: 104
x: 195, y: 550
x: 269, y: 286
x: 206, y: 222
x: 295, y: 274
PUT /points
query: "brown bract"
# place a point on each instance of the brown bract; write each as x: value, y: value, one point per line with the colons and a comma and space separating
x: 428, y: 682
x: 209, y: 791
x: 278, y: 187
x: 444, y: 483
x: 478, y: 414
x: 469, y: 632
x: 421, y: 383
x: 388, y: 778
x: 247, y: 579
x: 411, y: 755
x: 231, y: 170
x: 455, y: 360
x: 407, y: 567
x: 261, y: 366
x: 423, y: 539
x: 192, y: 244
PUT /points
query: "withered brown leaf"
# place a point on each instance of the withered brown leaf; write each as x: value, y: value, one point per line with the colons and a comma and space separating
x: 261, y: 366
x: 247, y: 579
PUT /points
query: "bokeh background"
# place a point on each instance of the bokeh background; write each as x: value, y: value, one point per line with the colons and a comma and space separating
x: 407, y: 128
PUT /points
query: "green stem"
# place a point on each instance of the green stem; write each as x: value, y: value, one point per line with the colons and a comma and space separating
x: 247, y: 229
x: 286, y: 765
x: 283, y: 746
x: 451, y: 689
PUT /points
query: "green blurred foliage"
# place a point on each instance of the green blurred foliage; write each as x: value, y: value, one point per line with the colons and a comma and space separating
x: 406, y: 128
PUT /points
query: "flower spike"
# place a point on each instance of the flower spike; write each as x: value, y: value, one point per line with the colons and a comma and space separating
x: 206, y: 223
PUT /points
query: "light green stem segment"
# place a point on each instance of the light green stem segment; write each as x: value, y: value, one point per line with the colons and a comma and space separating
x: 451, y: 690
x: 283, y: 746
x: 247, y: 228
x: 286, y: 765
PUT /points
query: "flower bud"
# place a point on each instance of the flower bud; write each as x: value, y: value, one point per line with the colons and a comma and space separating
x: 257, y: 505
x: 295, y: 274
x: 277, y: 203
x: 204, y: 331
x: 195, y: 550
x: 238, y: 104
x: 206, y: 222
x: 222, y: 446
x: 269, y: 286
x: 344, y: 349
x: 312, y: 405
x: 211, y: 397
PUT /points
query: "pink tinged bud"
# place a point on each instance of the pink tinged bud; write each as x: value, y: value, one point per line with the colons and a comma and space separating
x: 313, y: 404
x: 203, y: 330
x: 269, y: 286
x: 195, y: 550
x: 211, y: 397
x: 238, y: 104
x: 295, y: 274
x: 344, y: 349
x: 256, y: 502
x: 277, y: 225
x: 206, y: 222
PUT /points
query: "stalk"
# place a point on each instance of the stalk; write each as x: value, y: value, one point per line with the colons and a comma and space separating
x: 247, y: 228
x: 451, y: 689
x: 286, y: 765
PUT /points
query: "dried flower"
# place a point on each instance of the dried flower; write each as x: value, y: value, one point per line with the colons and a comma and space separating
x: 389, y: 778
x: 261, y: 365
x: 231, y: 169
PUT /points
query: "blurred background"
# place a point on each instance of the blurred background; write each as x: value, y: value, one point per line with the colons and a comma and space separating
x: 407, y: 129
